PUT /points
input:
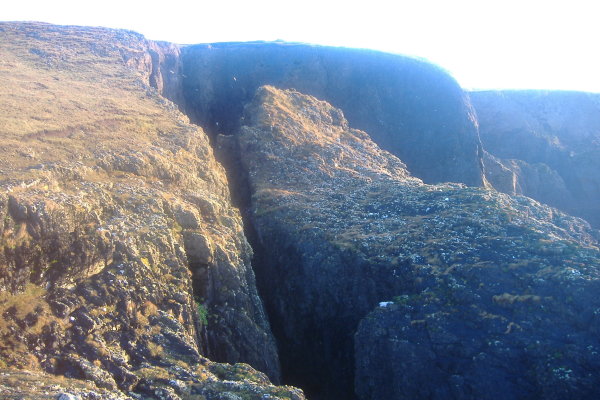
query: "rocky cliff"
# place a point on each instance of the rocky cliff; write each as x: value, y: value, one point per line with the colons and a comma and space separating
x: 125, y: 265
x: 122, y: 260
x: 475, y: 294
x: 409, y: 107
x: 548, y: 145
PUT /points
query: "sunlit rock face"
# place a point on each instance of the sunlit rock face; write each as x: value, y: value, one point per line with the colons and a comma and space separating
x: 549, y: 145
x: 122, y: 260
x: 411, y: 108
x: 409, y: 290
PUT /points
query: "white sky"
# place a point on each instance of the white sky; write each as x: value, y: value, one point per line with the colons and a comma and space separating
x: 483, y: 44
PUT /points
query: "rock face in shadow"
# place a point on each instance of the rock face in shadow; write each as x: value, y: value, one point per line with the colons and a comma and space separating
x: 409, y: 107
x: 537, y: 180
x: 122, y: 260
x: 452, y: 292
x: 550, y: 143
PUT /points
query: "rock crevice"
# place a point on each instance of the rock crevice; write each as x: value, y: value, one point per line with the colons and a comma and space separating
x: 114, y: 213
x: 387, y: 266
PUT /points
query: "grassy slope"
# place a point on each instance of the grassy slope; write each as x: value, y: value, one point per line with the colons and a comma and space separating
x: 67, y: 95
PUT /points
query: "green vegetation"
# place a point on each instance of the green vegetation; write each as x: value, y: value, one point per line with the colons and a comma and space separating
x: 202, y: 313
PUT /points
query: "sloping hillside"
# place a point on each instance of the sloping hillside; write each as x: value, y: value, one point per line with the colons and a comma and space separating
x: 122, y: 260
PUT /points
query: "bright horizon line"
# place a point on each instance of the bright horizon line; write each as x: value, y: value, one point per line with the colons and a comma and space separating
x: 419, y: 58
x: 492, y: 45
x: 416, y: 57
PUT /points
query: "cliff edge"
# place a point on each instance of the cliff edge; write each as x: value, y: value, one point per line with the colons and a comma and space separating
x: 404, y: 289
x: 411, y: 108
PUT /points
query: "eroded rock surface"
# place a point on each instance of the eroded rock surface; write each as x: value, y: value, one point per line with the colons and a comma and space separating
x: 409, y: 107
x: 549, y: 142
x: 477, y: 294
x: 122, y: 261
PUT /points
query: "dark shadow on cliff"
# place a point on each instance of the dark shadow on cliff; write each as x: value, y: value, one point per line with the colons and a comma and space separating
x: 411, y: 108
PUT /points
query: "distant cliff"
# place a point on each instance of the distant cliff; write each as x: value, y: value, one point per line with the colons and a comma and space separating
x: 547, y: 146
x: 411, y: 108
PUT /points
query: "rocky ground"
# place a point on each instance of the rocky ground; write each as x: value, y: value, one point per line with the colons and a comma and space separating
x: 125, y: 269
x: 476, y: 294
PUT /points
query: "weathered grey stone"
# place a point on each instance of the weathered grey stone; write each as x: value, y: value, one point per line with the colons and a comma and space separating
x: 478, y: 280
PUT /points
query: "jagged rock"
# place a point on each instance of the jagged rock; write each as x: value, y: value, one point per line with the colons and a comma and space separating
x: 500, y: 175
x: 537, y: 181
x: 477, y: 294
x: 75, y: 366
x: 409, y: 107
x: 551, y: 143
x: 210, y: 383
x: 165, y: 74
x: 97, y: 280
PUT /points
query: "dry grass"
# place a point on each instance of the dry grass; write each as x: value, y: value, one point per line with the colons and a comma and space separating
x: 83, y: 102
x: 16, y: 312
x: 31, y: 300
x: 156, y: 350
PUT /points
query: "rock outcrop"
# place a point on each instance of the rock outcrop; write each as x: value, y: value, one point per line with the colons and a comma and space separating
x: 548, y: 144
x: 122, y: 260
x: 409, y: 107
x: 475, y: 294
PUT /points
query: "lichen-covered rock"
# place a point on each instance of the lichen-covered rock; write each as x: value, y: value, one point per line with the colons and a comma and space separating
x: 409, y: 107
x: 119, y: 247
x: 37, y: 385
x: 487, y: 290
x: 551, y: 143
x: 206, y: 381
